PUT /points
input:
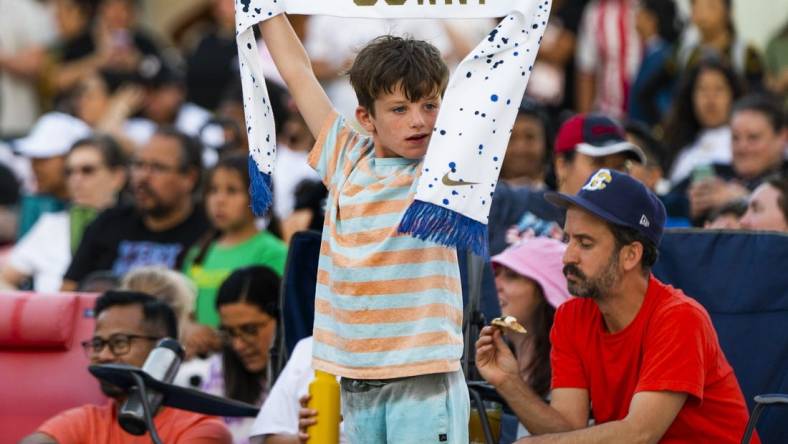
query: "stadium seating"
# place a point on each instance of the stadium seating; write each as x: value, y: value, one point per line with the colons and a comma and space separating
x: 43, y: 369
x: 741, y: 280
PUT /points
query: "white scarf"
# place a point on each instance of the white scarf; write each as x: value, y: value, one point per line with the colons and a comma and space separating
x: 472, y: 130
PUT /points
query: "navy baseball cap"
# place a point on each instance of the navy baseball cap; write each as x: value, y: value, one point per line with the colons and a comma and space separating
x: 620, y: 200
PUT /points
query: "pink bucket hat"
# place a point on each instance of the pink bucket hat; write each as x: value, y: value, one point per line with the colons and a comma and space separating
x: 540, y: 259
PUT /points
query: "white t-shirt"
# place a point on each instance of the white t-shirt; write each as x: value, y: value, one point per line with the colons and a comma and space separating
x: 45, y: 251
x: 279, y: 413
x: 292, y: 169
x: 24, y: 24
x: 609, y: 47
x: 711, y: 146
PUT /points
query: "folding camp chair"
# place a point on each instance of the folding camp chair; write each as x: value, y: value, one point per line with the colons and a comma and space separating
x: 741, y: 280
x: 297, y: 296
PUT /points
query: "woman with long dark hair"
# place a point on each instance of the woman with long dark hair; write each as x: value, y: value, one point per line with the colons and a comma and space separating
x: 531, y: 285
x: 697, y: 131
x: 248, y: 306
x: 235, y: 241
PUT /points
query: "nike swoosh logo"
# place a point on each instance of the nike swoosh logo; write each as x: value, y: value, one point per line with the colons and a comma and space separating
x: 454, y: 183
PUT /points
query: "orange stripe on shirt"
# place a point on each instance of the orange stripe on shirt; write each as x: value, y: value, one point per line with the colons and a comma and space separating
x: 383, y: 258
x: 385, y: 344
x: 388, y: 371
x: 343, y: 138
x: 392, y: 286
x: 389, y: 315
x: 351, y: 189
x: 375, y: 208
x: 362, y: 238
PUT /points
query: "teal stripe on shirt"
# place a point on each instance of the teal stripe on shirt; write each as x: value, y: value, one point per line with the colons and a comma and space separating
x: 390, y: 272
x: 378, y: 359
x: 388, y: 330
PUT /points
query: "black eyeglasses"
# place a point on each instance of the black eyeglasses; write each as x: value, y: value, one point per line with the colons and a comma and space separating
x: 119, y: 344
x: 248, y: 332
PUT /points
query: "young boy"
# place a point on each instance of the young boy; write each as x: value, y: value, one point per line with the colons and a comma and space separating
x: 388, y: 307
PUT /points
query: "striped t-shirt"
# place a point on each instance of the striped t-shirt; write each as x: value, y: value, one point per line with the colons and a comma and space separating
x: 386, y: 305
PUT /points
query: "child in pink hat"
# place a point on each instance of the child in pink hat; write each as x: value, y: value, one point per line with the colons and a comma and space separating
x: 531, y: 285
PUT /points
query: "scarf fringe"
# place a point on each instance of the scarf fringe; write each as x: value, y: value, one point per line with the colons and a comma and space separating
x: 259, y: 189
x: 430, y: 222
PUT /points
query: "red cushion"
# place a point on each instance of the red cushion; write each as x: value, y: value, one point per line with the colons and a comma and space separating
x: 49, y: 373
x: 37, y: 321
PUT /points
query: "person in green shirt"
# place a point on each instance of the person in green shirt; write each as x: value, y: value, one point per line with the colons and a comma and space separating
x: 236, y: 241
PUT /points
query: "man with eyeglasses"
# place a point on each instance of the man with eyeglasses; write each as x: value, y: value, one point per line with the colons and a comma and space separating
x: 162, y: 223
x: 128, y: 325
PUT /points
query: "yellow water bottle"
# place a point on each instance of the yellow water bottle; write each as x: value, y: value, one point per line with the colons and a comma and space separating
x: 324, y: 393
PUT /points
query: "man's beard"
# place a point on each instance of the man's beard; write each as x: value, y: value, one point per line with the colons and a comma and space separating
x: 596, y: 287
x: 157, y: 209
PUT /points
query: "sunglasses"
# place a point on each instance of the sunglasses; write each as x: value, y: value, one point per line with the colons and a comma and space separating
x: 84, y: 170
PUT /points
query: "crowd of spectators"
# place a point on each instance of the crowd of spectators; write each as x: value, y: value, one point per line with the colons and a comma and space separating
x: 123, y: 160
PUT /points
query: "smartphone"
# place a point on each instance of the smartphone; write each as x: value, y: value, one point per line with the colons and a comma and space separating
x: 702, y: 172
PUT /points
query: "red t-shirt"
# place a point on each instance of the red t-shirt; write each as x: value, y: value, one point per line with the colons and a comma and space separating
x: 99, y: 424
x: 671, y: 345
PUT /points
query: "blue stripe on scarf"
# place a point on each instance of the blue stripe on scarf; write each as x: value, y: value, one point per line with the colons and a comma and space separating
x: 435, y: 223
x: 259, y: 189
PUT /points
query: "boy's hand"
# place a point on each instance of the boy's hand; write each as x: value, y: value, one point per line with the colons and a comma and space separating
x: 306, y: 417
x: 495, y: 361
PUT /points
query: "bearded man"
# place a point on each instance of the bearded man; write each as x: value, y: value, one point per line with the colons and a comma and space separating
x: 637, y: 356
x: 160, y: 225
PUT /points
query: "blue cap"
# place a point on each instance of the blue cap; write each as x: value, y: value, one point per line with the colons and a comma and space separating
x: 620, y: 200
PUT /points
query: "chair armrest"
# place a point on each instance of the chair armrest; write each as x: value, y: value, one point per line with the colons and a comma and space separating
x: 772, y: 398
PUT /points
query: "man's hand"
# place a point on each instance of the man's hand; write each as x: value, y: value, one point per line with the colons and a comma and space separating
x: 712, y: 193
x: 495, y: 361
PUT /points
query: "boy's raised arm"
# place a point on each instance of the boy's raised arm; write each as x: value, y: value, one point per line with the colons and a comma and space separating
x: 293, y: 63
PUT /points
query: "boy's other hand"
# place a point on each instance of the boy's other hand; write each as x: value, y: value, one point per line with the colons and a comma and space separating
x: 306, y: 417
x: 495, y: 361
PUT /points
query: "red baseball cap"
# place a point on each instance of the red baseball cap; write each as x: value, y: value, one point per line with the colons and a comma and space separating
x: 595, y: 135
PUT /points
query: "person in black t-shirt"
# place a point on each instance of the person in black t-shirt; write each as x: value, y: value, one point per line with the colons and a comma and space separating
x: 163, y: 222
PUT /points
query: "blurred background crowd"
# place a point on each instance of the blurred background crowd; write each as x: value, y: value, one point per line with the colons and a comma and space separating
x: 123, y: 143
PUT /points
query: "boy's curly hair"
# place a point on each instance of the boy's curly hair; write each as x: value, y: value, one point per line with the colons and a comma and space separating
x: 389, y: 62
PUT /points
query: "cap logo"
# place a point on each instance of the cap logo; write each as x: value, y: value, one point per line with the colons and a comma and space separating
x: 644, y: 221
x: 599, y: 180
